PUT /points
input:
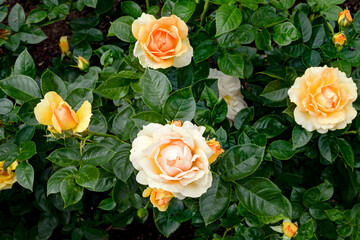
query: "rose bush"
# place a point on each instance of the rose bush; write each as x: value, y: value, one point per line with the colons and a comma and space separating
x: 199, y: 119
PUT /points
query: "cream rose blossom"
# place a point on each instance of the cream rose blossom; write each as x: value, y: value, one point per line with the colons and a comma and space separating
x: 161, y: 43
x: 173, y: 158
x: 229, y: 90
x: 323, y: 98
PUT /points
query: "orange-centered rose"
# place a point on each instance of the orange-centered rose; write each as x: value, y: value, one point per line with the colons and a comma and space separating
x: 158, y: 197
x: 59, y: 116
x: 161, y: 43
x: 339, y: 39
x: 7, y: 176
x: 173, y: 158
x: 323, y: 98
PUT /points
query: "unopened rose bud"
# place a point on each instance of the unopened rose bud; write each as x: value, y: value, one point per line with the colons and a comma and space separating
x: 83, y: 64
x: 289, y: 229
x: 339, y: 40
x: 4, y: 33
x: 142, y: 212
x: 215, y: 148
x: 64, y: 45
x: 345, y: 19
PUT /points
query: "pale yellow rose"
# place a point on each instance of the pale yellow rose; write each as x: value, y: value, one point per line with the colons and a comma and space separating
x: 59, y: 116
x: 7, y: 176
x: 229, y: 89
x: 158, y: 197
x: 161, y: 43
x: 172, y: 158
x: 323, y: 98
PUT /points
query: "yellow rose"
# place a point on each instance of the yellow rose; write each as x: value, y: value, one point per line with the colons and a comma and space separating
x: 59, y: 116
x: 345, y: 19
x: 173, y: 158
x: 323, y: 98
x: 161, y: 43
x: 64, y: 45
x: 7, y: 176
x: 215, y: 148
x: 158, y: 197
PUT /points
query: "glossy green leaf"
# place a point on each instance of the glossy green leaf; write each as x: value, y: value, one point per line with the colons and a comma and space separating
x: 97, y: 155
x: 180, y: 105
x: 232, y: 64
x: 270, y: 126
x: 131, y: 8
x: 276, y: 91
x: 184, y: 9
x: 228, y: 17
x: 87, y: 176
x: 52, y: 82
x: 36, y: 15
x: 20, y: 87
x: 71, y: 193
x: 24, y: 65
x: 122, y: 28
x: 55, y: 180
x: 300, y: 136
x: 121, y: 164
x: 26, y: 150
x: 25, y: 174
x: 123, y: 124
x: 240, y: 161
x: 215, y: 201
x: 219, y: 112
x: 65, y: 157
x: 285, y: 33
x: 328, y: 147
x: 346, y: 152
x: 16, y: 17
x: 107, y: 204
x: 281, y: 149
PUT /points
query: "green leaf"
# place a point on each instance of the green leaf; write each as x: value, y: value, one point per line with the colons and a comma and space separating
x: 276, y: 91
x: 254, y: 233
x: 3, y: 13
x: 163, y: 219
x: 228, y: 17
x: 24, y: 65
x: 184, y: 9
x: 218, y: 114
x: 300, y: 136
x: 244, y: 34
x: 331, y: 12
x: 20, y: 87
x: 52, y: 82
x: 167, y: 8
x: 71, y: 193
x: 263, y: 40
x: 232, y: 64
x: 36, y: 15
x: 65, y: 157
x: 124, y: 190
x: 240, y: 161
x: 335, y: 215
x: 311, y: 58
x: 144, y: 118
x: 115, y: 87
x: 54, y: 182
x: 317, y: 37
x: 34, y: 36
x: 215, y: 201
x: 180, y: 105
x: 265, y: 16
x: 262, y: 197
x: 26, y: 150
x: 131, y: 8
x: 97, y: 155
x: 318, y: 194
x: 209, y: 96
x: 328, y: 147
x: 26, y: 112
x: 156, y: 95
x: 283, y: 4
x: 356, y: 24
x: 270, y: 126
x: 346, y: 152
x: 91, y: 3
x: 122, y: 28
x: 244, y: 117
x: 16, y: 17
x: 121, y: 164
x: 6, y: 106
x: 24, y: 173
x: 78, y: 96
x: 87, y: 176
x: 306, y: 230
x: 345, y: 230
x: 122, y: 124
x: 107, y: 204
x: 281, y: 149
x: 205, y: 50
x: 285, y: 33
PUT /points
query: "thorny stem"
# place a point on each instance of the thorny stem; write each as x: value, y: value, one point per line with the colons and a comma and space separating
x: 147, y: 4
x: 202, y: 17
x: 350, y: 132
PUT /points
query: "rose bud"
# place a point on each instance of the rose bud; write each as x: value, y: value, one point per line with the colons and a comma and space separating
x: 83, y: 64
x: 345, y: 19
x: 158, y: 197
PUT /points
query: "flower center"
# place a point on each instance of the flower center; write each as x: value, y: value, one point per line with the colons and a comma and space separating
x: 162, y: 42
x: 327, y: 98
x: 64, y: 116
